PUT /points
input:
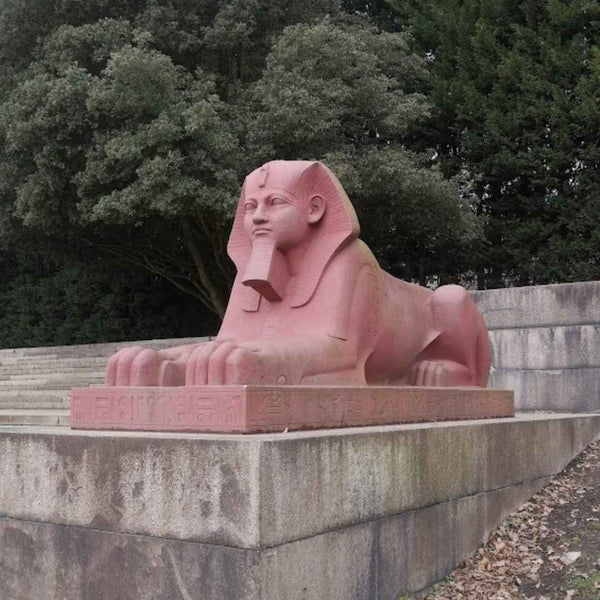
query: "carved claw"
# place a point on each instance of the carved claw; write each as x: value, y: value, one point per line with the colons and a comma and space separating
x: 138, y: 366
x: 226, y: 362
x: 428, y: 373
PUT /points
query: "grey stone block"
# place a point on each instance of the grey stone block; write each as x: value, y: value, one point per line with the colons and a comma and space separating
x: 379, y: 560
x: 376, y: 560
x: 564, y: 390
x: 41, y: 561
x: 543, y: 305
x: 546, y: 347
x: 178, y: 487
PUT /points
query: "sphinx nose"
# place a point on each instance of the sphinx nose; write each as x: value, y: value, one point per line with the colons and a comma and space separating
x: 259, y: 216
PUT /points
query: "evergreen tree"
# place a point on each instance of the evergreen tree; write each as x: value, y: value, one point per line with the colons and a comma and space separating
x: 515, y: 86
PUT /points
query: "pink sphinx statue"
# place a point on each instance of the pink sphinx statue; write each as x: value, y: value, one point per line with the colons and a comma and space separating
x: 310, y: 305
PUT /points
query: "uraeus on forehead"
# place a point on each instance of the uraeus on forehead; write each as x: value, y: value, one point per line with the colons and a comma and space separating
x: 279, y: 175
x: 263, y: 174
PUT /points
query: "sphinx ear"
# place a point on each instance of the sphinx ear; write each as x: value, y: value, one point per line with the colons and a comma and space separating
x: 316, y: 209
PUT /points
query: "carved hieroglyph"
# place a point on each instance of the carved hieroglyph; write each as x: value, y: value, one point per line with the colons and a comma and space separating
x: 310, y: 305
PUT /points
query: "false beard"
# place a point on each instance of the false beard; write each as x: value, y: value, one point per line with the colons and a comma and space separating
x: 267, y: 270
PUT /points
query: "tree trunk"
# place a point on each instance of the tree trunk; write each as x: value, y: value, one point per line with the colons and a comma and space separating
x: 207, y: 280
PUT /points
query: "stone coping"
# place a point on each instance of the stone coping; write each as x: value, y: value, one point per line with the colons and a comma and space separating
x: 540, y: 305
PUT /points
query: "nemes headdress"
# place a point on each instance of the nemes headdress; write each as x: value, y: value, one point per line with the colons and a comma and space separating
x: 302, y: 180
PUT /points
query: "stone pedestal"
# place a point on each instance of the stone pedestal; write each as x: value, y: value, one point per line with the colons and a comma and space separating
x: 347, y: 514
x: 254, y: 408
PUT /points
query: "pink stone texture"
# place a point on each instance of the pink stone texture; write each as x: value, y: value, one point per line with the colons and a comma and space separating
x: 311, y: 306
x: 256, y: 409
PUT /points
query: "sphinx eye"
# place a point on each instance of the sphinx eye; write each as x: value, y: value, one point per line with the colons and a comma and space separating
x: 278, y: 200
x: 249, y: 206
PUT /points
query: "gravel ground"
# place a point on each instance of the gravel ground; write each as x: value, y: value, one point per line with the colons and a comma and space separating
x: 548, y: 550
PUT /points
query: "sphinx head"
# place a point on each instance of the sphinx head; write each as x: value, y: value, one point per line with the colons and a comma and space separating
x: 273, y: 212
x: 284, y: 205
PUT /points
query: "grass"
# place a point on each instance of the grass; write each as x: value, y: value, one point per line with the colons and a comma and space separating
x: 588, y: 587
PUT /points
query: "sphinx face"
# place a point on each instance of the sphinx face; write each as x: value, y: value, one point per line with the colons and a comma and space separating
x: 275, y: 217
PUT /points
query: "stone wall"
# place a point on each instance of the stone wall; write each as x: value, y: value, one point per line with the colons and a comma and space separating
x: 546, y: 344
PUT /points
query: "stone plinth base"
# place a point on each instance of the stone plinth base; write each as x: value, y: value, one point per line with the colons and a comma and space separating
x: 369, y: 513
x: 253, y: 409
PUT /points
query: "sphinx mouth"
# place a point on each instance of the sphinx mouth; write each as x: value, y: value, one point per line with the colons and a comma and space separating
x: 260, y: 230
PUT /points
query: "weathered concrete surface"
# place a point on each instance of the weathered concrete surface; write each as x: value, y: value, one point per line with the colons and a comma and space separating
x: 407, y: 551
x: 178, y: 488
x: 540, y: 305
x: 386, y: 471
x: 379, y: 560
x: 274, y: 516
x: 40, y: 561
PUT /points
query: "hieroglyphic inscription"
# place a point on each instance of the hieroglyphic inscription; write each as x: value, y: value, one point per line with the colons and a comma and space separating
x: 278, y: 408
x: 269, y: 407
x: 169, y: 409
x: 101, y: 408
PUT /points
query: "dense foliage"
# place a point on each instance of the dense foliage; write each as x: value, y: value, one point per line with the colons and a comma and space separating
x: 517, y: 97
x: 66, y: 297
x: 465, y: 132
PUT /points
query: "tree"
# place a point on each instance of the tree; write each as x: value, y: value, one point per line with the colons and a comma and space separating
x: 133, y: 134
x: 56, y: 294
x: 107, y: 131
x: 350, y: 102
x: 517, y: 107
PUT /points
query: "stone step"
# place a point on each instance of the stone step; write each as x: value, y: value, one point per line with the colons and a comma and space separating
x: 108, y: 349
x: 66, y: 376
x: 35, y: 417
x: 40, y: 403
x: 103, y: 349
x: 24, y: 371
x: 35, y: 398
x: 90, y: 361
x: 4, y: 394
x: 41, y: 384
x: 39, y: 380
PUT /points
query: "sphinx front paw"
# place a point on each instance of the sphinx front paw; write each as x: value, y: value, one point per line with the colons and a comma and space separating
x: 227, y: 363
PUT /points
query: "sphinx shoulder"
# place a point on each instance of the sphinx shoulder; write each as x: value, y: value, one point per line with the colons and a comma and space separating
x: 351, y: 269
x: 354, y: 255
